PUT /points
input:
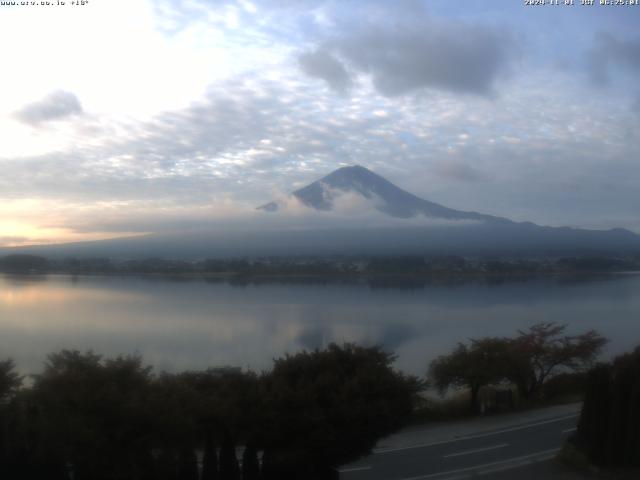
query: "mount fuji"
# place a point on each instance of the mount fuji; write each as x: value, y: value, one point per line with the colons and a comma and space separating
x: 390, y: 199
x: 402, y: 223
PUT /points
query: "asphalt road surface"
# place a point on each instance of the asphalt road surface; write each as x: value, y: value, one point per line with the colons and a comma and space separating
x: 486, y: 454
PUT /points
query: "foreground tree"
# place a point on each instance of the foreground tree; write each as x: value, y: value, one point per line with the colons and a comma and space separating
x: 187, y: 464
x: 527, y: 361
x: 328, y: 407
x: 11, y: 447
x: 544, y: 350
x: 474, y: 366
x: 250, y: 464
x: 10, y: 381
x: 609, y: 427
x: 229, y: 468
x: 93, y: 414
x: 209, y: 460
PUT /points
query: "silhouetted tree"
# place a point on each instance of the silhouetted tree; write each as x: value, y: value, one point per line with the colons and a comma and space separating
x: 250, y: 464
x: 10, y: 381
x: 527, y: 361
x: 229, y: 469
x: 92, y: 418
x: 173, y: 406
x: 210, y: 460
x: 593, y: 424
x: 226, y: 400
x: 277, y: 466
x: 167, y: 465
x: 543, y: 350
x: 474, y: 366
x: 95, y: 411
x: 187, y: 464
x: 328, y: 407
x: 609, y: 427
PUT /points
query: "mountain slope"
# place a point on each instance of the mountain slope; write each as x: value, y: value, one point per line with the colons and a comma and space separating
x: 479, y: 239
x: 273, y: 234
x: 391, y: 199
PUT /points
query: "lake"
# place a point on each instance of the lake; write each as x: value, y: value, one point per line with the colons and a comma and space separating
x: 185, y: 324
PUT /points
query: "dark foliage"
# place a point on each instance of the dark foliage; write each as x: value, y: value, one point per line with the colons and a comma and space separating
x: 112, y: 419
x: 209, y: 460
x: 564, y: 385
x: 543, y: 350
x: 187, y: 464
x: 324, y: 267
x: 474, y: 366
x: 527, y: 361
x: 229, y: 468
x: 10, y: 381
x: 21, y: 263
x: 250, y: 464
x: 596, y: 264
x: 328, y: 407
x: 398, y: 265
x: 609, y: 428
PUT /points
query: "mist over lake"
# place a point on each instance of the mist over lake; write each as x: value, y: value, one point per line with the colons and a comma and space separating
x: 194, y: 324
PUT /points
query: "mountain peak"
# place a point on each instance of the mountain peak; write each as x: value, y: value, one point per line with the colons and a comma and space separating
x: 353, y: 170
x: 390, y: 199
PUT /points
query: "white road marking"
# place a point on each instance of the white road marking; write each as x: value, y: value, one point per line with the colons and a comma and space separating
x: 503, y: 468
x: 570, y: 430
x: 523, y: 463
x: 516, y: 461
x: 471, y: 437
x: 354, y: 469
x: 477, y: 450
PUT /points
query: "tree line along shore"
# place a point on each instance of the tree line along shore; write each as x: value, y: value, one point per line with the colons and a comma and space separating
x: 324, y: 267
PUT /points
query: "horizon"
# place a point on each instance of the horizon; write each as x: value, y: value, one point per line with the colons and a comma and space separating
x: 204, y: 111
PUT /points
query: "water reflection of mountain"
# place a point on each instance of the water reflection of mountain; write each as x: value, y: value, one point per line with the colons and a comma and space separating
x: 197, y: 322
x: 391, y: 336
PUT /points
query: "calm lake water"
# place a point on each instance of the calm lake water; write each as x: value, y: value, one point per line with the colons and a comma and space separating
x: 195, y: 324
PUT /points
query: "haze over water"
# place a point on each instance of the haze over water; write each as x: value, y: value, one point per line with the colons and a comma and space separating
x: 196, y: 324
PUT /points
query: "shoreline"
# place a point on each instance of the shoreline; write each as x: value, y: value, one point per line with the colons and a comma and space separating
x: 350, y: 278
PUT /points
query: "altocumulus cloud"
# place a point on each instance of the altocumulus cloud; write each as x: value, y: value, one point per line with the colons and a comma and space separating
x: 55, y: 106
x: 411, y: 54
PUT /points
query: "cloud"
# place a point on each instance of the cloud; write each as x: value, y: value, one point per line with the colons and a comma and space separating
x: 324, y: 65
x: 417, y: 113
x: 611, y: 53
x: 55, y: 106
x: 349, y: 211
x: 412, y: 54
x: 250, y: 136
x: 635, y: 106
x: 13, y: 240
x: 458, y: 171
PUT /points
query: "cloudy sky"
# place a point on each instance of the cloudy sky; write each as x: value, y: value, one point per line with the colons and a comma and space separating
x: 122, y: 116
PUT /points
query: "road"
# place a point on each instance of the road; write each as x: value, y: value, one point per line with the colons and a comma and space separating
x: 483, y: 453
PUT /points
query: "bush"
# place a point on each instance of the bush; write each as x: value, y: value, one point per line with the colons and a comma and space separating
x: 609, y: 427
x: 564, y: 387
x: 114, y: 419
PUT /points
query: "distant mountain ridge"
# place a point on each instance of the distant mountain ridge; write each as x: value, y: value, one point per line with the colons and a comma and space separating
x: 462, y: 233
x: 394, y: 201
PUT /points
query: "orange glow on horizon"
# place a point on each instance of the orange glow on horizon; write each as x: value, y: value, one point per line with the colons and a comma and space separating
x: 41, y: 221
x: 14, y: 234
